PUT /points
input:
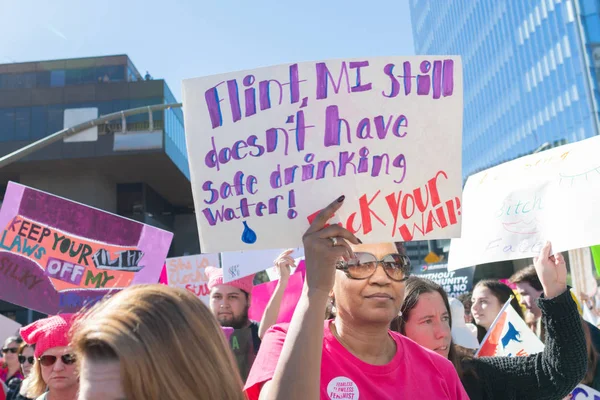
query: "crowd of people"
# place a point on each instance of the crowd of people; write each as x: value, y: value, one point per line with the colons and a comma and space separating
x: 385, y: 335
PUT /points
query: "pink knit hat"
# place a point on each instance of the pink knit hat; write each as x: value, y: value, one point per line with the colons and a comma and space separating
x: 48, y: 333
x: 215, y: 277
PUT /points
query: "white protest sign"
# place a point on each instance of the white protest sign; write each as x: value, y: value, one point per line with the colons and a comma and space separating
x: 8, y: 328
x: 270, y: 147
x: 583, y: 392
x: 273, y: 272
x: 511, y: 210
x: 238, y: 264
x: 188, y: 273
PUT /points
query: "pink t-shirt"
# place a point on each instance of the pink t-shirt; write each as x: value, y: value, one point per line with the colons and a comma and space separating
x: 413, y: 373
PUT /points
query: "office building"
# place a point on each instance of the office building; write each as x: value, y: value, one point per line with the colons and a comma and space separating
x: 138, y: 169
x: 530, y: 71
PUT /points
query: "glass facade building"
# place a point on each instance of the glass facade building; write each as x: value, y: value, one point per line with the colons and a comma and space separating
x: 530, y: 78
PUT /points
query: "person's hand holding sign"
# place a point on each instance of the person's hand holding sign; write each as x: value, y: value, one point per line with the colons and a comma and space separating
x: 552, y: 271
x: 284, y: 263
x: 324, y: 246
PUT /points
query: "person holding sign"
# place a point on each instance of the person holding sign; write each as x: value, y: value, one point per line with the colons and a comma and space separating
x: 552, y: 374
x: 230, y: 303
x: 356, y: 354
x: 154, y: 342
x: 54, y: 375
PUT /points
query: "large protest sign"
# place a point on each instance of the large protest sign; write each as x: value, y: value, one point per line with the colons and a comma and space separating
x: 238, y: 264
x: 58, y: 256
x: 583, y: 392
x: 270, y: 147
x: 454, y: 283
x: 511, y: 210
x: 188, y: 273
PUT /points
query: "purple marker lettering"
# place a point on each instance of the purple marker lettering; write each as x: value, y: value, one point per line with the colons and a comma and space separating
x: 448, y: 79
x: 437, y: 79
x: 401, y: 122
x: 323, y: 77
x: 364, y: 125
x: 290, y: 174
x: 359, y: 86
x: 395, y: 85
x: 424, y: 81
x: 275, y: 178
x: 291, y: 204
x: 322, y: 168
x: 214, y: 108
x: 381, y: 126
x: 294, y: 84
x: 333, y: 127
x: 377, y: 164
x: 272, y: 139
x: 345, y: 160
x: 308, y: 170
x: 214, y: 194
x: 363, y: 164
x: 407, y: 78
x: 234, y: 100
x: 250, y: 95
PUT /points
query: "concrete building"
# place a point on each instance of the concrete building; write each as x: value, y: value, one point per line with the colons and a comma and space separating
x: 141, y: 172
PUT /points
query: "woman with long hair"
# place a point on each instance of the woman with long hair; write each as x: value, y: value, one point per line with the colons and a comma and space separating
x: 154, y: 342
x: 426, y: 319
x: 54, y: 372
x: 488, y: 298
x: 10, y: 367
x: 18, y: 387
x: 356, y: 354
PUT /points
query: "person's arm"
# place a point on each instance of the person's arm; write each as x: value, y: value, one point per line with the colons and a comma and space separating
x: 298, y: 372
x: 563, y: 363
x: 284, y: 264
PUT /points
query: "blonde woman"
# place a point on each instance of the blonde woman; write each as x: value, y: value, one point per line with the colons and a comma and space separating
x: 54, y: 372
x: 154, y: 342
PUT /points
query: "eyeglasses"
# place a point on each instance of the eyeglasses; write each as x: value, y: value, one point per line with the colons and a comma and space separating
x: 363, y: 266
x: 30, y: 360
x: 47, y: 361
x: 13, y: 350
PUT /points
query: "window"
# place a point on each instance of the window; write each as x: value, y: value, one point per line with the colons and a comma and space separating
x: 22, y: 123
x: 38, y: 122
x: 113, y: 73
x: 43, y: 79
x: 55, y: 119
x: 57, y: 78
x: 7, y: 124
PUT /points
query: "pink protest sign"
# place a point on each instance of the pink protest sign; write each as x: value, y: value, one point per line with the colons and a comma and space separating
x: 59, y: 256
x: 261, y: 294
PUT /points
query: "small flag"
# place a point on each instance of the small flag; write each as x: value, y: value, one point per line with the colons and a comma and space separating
x: 509, y: 335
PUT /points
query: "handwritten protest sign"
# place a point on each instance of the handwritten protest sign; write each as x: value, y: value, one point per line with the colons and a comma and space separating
x: 511, y: 210
x: 57, y: 255
x: 583, y: 392
x: 454, y: 283
x: 270, y: 147
x: 188, y: 273
x: 238, y: 264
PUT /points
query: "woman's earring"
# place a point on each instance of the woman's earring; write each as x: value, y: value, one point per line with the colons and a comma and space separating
x: 333, y: 309
x: 400, y: 313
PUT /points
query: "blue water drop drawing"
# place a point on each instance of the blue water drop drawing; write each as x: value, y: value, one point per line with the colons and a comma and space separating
x: 248, y: 236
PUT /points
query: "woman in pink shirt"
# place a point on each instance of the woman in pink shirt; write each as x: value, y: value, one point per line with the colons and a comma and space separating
x: 355, y: 356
